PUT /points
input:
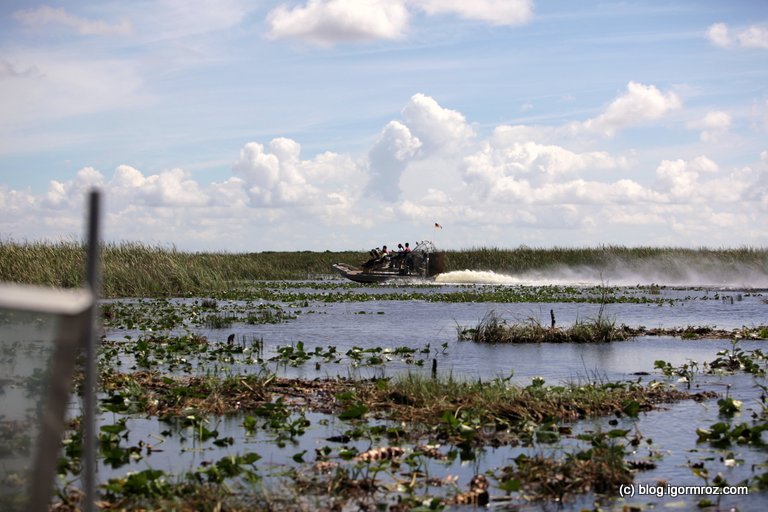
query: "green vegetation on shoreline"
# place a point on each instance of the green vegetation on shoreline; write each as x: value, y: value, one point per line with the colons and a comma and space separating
x: 141, y: 270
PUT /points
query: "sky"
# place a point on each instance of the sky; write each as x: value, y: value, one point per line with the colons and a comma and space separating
x: 233, y: 125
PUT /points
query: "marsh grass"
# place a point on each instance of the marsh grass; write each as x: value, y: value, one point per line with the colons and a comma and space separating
x: 601, y: 469
x: 414, y: 397
x: 410, y: 397
x: 134, y: 269
x: 142, y: 270
x: 153, y: 394
x: 493, y: 329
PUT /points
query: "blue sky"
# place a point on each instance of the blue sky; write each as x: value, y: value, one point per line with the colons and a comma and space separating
x: 345, y: 124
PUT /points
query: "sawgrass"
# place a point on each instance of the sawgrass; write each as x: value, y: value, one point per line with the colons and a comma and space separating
x: 141, y: 270
x: 134, y: 269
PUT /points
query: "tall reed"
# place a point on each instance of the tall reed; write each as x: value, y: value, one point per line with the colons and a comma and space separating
x: 140, y: 270
x: 133, y: 269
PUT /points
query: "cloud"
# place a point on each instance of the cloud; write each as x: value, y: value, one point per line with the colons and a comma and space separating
x: 435, y: 126
x: 388, y: 158
x: 718, y: 35
x: 326, y: 22
x: 495, y: 12
x: 678, y: 178
x: 129, y: 186
x: 713, y: 125
x: 510, y: 166
x: 19, y: 208
x: 758, y: 190
x: 173, y: 187
x: 532, y: 159
x: 62, y: 195
x: 273, y: 189
x: 43, y: 16
x: 640, y: 104
x: 701, y: 181
x: 754, y: 36
x: 427, y: 134
x: 278, y: 177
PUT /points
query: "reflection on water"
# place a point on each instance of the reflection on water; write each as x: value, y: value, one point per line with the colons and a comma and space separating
x: 25, y: 350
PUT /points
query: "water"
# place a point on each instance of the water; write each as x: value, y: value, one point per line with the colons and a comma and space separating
x: 26, y: 349
x: 430, y: 328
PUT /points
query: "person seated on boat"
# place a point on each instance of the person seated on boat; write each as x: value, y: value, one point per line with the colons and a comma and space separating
x: 375, y: 255
x: 399, y: 256
x: 378, y: 256
x: 407, y: 248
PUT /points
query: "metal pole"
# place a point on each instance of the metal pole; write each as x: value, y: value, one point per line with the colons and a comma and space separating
x: 89, y: 391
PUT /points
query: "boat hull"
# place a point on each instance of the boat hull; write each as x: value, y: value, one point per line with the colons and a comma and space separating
x: 359, y: 275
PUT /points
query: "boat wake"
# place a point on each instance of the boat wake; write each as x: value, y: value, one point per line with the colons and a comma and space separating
x: 491, y: 277
x: 744, y: 278
x: 476, y: 277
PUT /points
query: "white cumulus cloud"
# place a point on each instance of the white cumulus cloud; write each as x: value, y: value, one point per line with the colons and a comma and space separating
x: 504, y: 159
x: 326, y: 22
x: 172, y: 187
x: 66, y: 194
x: 713, y: 125
x: 435, y: 126
x: 700, y: 180
x: 388, y: 158
x: 641, y: 103
x: 277, y: 176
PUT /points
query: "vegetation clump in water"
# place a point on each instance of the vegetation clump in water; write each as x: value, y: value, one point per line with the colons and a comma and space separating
x: 493, y: 329
x: 601, y: 468
x: 454, y: 407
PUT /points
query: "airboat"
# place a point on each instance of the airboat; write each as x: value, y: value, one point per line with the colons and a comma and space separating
x: 422, y: 262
